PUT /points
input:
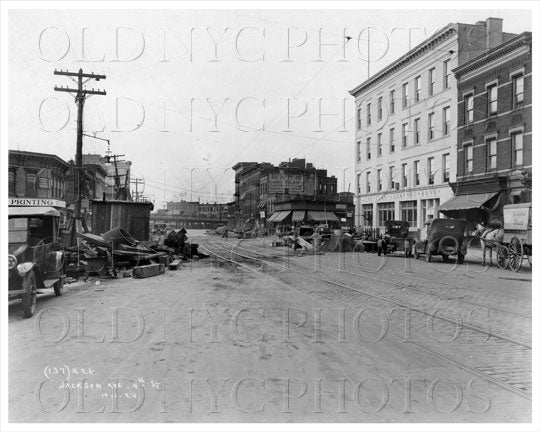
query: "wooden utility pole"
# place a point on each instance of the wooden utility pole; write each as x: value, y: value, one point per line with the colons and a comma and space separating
x: 80, y: 97
x: 137, y: 181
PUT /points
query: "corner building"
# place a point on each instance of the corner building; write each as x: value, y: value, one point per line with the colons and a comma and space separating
x: 406, y: 134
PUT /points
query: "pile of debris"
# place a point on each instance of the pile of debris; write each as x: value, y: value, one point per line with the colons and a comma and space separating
x: 338, y: 243
x: 117, y: 251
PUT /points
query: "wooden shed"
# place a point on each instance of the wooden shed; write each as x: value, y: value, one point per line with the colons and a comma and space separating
x: 131, y: 216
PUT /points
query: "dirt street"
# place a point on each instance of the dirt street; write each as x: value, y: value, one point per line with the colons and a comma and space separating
x: 264, y: 342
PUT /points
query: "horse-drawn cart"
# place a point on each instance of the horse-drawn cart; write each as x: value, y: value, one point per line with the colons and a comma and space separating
x: 517, y: 240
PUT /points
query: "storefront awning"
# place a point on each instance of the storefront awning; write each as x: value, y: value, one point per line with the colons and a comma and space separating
x: 279, y: 216
x: 322, y: 216
x: 467, y: 201
x: 33, y: 211
x: 298, y: 216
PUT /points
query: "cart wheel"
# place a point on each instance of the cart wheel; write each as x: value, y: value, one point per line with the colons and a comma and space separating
x: 460, y: 258
x: 428, y: 256
x: 59, y: 286
x: 445, y: 258
x: 415, y: 253
x: 515, y: 254
x: 502, y: 257
x: 29, y: 298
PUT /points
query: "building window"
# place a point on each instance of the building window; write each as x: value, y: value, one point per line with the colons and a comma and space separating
x: 492, y: 99
x: 30, y: 185
x: 367, y: 214
x: 358, y: 183
x: 416, y: 173
x: 379, y: 180
x: 416, y: 131
x: 392, y: 101
x: 404, y: 95
x: 469, y: 108
x: 379, y: 144
x: 491, y: 145
x: 446, y: 120
x: 368, y: 148
x: 11, y: 183
x: 468, y: 158
x: 368, y: 182
x: 517, y: 90
x: 359, y: 118
x: 386, y: 212
x: 358, y: 151
x: 404, y: 181
x: 379, y: 108
x: 430, y: 169
x: 391, y: 178
x: 517, y: 149
x: 446, y: 167
x: 392, y: 140
x: 409, y: 212
x: 368, y: 112
x: 431, y: 81
x: 446, y: 74
x: 417, y: 88
x: 431, y: 126
x: 404, y: 134
x: 430, y: 209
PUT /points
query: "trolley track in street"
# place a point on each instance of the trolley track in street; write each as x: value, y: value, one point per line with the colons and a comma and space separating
x: 499, y: 359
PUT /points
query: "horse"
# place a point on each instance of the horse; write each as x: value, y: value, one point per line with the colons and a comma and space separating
x: 490, y: 238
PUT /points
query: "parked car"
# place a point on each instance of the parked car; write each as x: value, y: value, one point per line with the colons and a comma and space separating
x: 445, y: 237
x: 36, y: 258
x: 396, y: 238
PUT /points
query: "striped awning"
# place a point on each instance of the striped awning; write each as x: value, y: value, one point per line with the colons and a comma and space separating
x: 298, y: 216
x: 322, y: 216
x: 279, y: 216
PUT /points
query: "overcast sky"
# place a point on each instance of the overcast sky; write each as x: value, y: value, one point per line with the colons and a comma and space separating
x: 169, y: 72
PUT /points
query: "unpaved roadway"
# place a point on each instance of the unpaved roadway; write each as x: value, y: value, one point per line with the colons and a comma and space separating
x: 214, y: 342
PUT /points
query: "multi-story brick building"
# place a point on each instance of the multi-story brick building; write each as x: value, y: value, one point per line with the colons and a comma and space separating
x: 293, y: 192
x: 37, y: 175
x: 494, y: 155
x: 405, y: 149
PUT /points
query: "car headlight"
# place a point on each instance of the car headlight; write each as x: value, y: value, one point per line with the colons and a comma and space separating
x: 12, y: 261
x: 24, y: 268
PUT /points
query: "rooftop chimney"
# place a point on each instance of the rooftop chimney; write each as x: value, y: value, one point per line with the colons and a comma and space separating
x: 493, y: 32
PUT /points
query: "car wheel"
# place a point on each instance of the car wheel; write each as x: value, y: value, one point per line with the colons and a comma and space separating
x: 59, y: 286
x: 29, y: 298
x: 460, y: 258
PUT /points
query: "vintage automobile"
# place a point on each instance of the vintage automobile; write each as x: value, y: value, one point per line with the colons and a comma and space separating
x: 36, y: 259
x: 395, y: 238
x: 445, y: 237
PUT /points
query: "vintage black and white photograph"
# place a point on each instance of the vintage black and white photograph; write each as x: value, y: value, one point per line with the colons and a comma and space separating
x: 234, y: 213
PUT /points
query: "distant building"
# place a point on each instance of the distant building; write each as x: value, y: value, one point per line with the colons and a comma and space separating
x: 193, y: 214
x: 35, y: 175
x: 494, y: 136
x: 406, y: 118
x: 117, y: 178
x: 294, y: 192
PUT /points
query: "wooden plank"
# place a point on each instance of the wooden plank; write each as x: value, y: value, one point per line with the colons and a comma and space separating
x: 175, y: 264
x: 148, y: 271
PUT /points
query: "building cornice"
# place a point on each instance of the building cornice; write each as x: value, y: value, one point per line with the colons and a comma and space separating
x: 498, y: 52
x: 411, y: 55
